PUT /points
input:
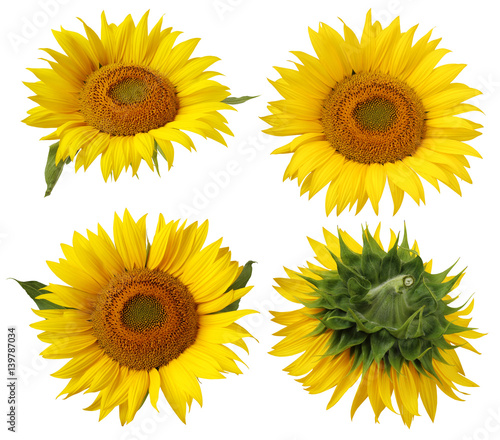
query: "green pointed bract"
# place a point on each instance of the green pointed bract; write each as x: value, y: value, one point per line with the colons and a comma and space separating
x: 232, y: 100
x: 239, y: 283
x: 34, y: 289
x: 384, y: 306
x: 52, y: 170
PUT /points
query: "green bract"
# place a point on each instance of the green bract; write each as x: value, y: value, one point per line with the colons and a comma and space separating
x: 385, y: 306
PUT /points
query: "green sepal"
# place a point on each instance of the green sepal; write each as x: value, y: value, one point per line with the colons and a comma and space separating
x: 357, y: 353
x: 358, y: 288
x: 327, y: 286
x: 447, y: 310
x: 370, y: 266
x: 158, y: 149
x: 330, y: 300
x: 442, y: 289
x: 401, y: 332
x: 439, y: 277
x: 367, y: 326
x: 426, y: 361
x: 53, y: 171
x: 416, y: 327
x: 345, y: 272
x: 395, y: 358
x: 418, y: 366
x: 34, y: 289
x: 381, y: 342
x: 432, y: 328
x: 413, y: 267
x: 422, y: 296
x: 443, y: 344
x: 239, y: 283
x: 336, y: 320
x: 154, y: 157
x: 148, y: 250
x: 437, y: 355
x: 411, y: 349
x: 369, y: 243
x: 144, y: 400
x: 391, y: 264
x: 320, y: 329
x: 349, y: 257
x: 367, y: 354
x: 453, y: 328
x: 343, y: 340
x: 232, y: 100
x: 404, y: 251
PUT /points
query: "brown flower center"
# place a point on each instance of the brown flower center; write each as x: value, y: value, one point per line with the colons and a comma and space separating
x: 373, y: 118
x: 124, y: 100
x: 145, y: 318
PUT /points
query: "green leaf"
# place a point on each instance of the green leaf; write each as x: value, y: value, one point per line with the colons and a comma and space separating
x: 34, y: 289
x: 53, y: 171
x: 239, y: 283
x: 232, y: 100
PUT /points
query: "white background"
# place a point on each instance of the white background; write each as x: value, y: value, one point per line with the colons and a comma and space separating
x: 259, y: 216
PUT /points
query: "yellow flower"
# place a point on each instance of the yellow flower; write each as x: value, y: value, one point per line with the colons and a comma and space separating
x: 126, y: 96
x: 375, y: 315
x: 138, y: 318
x: 373, y: 111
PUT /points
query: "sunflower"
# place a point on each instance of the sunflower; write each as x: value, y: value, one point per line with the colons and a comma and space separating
x: 375, y: 315
x: 370, y: 111
x: 126, y: 96
x: 135, y: 318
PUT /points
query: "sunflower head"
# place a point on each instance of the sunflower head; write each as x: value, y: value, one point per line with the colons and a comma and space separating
x: 379, y: 315
x: 136, y: 318
x: 373, y: 111
x: 126, y: 95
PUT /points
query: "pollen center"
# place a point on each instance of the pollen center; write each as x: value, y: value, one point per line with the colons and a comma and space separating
x: 145, y: 318
x: 143, y: 312
x: 373, y: 118
x: 129, y: 91
x: 126, y: 99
